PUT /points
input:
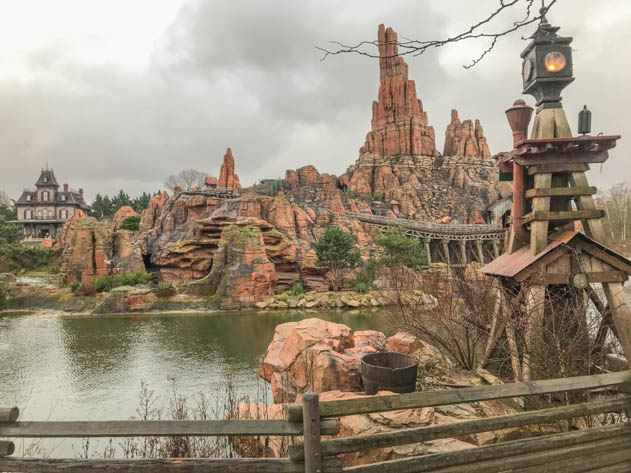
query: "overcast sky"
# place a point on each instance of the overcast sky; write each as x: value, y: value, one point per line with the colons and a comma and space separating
x: 120, y: 94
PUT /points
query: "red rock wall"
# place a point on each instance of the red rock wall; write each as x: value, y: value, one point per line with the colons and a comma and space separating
x: 227, y: 176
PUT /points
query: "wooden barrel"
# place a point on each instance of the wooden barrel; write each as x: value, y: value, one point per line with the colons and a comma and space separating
x: 386, y: 371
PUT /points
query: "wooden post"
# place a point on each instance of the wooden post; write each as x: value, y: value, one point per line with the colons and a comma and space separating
x: 463, y: 252
x: 446, y: 252
x: 533, y: 332
x: 428, y: 251
x: 9, y: 414
x: 539, y: 228
x: 478, y: 245
x: 496, y: 248
x: 6, y: 448
x: 311, y: 428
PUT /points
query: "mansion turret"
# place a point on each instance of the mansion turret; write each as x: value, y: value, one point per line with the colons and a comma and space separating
x: 43, y: 211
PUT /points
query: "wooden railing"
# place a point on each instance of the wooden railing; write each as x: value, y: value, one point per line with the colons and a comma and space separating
x: 605, y: 449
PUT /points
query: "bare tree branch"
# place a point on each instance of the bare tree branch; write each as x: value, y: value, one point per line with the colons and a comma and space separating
x: 476, y: 31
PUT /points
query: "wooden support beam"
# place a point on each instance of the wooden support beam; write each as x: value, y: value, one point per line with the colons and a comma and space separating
x: 508, y: 456
x: 563, y: 158
x: 533, y: 335
x: 557, y: 168
x: 370, y: 404
x: 311, y: 422
x: 424, y: 434
x: 560, y: 192
x: 539, y: 228
x: 496, y: 248
x: 446, y: 252
x: 539, y: 216
x: 151, y: 465
x: 480, y: 249
x: 428, y: 250
x: 139, y: 428
x: 463, y: 252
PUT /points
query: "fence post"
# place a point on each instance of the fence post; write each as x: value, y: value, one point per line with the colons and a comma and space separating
x: 8, y: 414
x: 311, y: 429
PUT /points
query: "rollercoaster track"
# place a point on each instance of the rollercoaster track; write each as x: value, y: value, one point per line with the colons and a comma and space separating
x: 434, y: 231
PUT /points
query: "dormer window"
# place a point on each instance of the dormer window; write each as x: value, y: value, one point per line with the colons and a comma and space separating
x: 63, y: 197
x: 28, y: 197
x: 45, y: 179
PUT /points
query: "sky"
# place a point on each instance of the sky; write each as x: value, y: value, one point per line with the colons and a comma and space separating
x: 121, y: 94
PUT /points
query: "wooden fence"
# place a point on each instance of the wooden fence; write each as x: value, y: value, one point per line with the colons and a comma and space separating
x: 598, y: 449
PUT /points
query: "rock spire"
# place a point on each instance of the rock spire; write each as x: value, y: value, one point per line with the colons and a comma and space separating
x: 465, y: 139
x: 399, y: 124
x: 227, y: 176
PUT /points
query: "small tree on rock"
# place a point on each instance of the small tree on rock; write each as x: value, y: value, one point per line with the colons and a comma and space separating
x: 336, y: 251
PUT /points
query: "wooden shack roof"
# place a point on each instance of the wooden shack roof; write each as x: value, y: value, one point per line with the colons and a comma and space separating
x: 513, y: 264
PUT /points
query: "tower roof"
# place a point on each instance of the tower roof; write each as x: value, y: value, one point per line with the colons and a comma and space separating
x: 47, y: 178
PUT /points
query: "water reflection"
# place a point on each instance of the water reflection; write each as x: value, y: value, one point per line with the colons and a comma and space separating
x: 91, y: 367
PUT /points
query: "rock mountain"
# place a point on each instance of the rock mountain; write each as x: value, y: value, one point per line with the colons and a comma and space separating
x: 241, y: 248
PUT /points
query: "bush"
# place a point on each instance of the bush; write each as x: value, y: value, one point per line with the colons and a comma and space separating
x: 131, y: 224
x: 86, y: 289
x: 362, y: 282
x: 164, y: 290
x: 107, y: 283
x: 74, y: 286
x: 298, y: 289
x: 16, y: 257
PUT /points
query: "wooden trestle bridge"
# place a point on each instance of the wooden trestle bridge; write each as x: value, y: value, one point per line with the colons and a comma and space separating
x: 455, y: 244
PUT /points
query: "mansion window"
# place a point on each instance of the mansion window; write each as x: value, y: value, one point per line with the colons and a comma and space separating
x: 28, y: 214
x: 64, y: 214
x: 28, y: 197
x: 63, y: 197
x: 45, y: 196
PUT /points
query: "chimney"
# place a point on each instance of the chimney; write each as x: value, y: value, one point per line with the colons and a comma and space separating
x: 65, y: 187
x: 81, y: 194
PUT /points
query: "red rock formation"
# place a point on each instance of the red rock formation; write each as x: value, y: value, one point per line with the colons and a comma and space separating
x: 241, y: 273
x: 465, y: 139
x: 227, y: 176
x: 89, y: 248
x: 399, y: 124
x: 121, y: 215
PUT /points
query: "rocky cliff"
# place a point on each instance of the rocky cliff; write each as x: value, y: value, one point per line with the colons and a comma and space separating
x: 246, y: 246
x: 89, y: 248
x: 399, y: 169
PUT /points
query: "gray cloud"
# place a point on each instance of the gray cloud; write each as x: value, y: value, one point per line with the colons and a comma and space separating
x: 247, y: 75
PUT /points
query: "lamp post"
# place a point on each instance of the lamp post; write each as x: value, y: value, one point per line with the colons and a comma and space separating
x: 546, y: 71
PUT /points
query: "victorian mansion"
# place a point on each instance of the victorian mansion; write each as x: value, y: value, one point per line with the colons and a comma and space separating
x: 43, y: 211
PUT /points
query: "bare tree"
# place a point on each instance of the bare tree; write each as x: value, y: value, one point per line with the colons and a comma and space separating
x: 186, y: 179
x: 5, y: 200
x: 484, y: 29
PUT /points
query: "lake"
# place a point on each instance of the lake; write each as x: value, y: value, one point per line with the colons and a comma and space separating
x: 91, y: 367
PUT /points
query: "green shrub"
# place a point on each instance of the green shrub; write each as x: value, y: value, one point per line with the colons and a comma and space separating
x: 297, y: 289
x: 74, y: 286
x: 16, y: 257
x: 362, y: 282
x: 107, y: 283
x: 86, y: 289
x: 164, y: 290
x: 131, y: 224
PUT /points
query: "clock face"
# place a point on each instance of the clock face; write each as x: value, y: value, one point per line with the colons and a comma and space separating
x: 579, y: 280
x: 526, y: 71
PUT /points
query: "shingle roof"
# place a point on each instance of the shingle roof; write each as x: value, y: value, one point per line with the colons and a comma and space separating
x: 510, y: 265
x: 47, y: 178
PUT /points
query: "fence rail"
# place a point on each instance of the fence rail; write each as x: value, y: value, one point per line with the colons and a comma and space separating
x: 604, y: 449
